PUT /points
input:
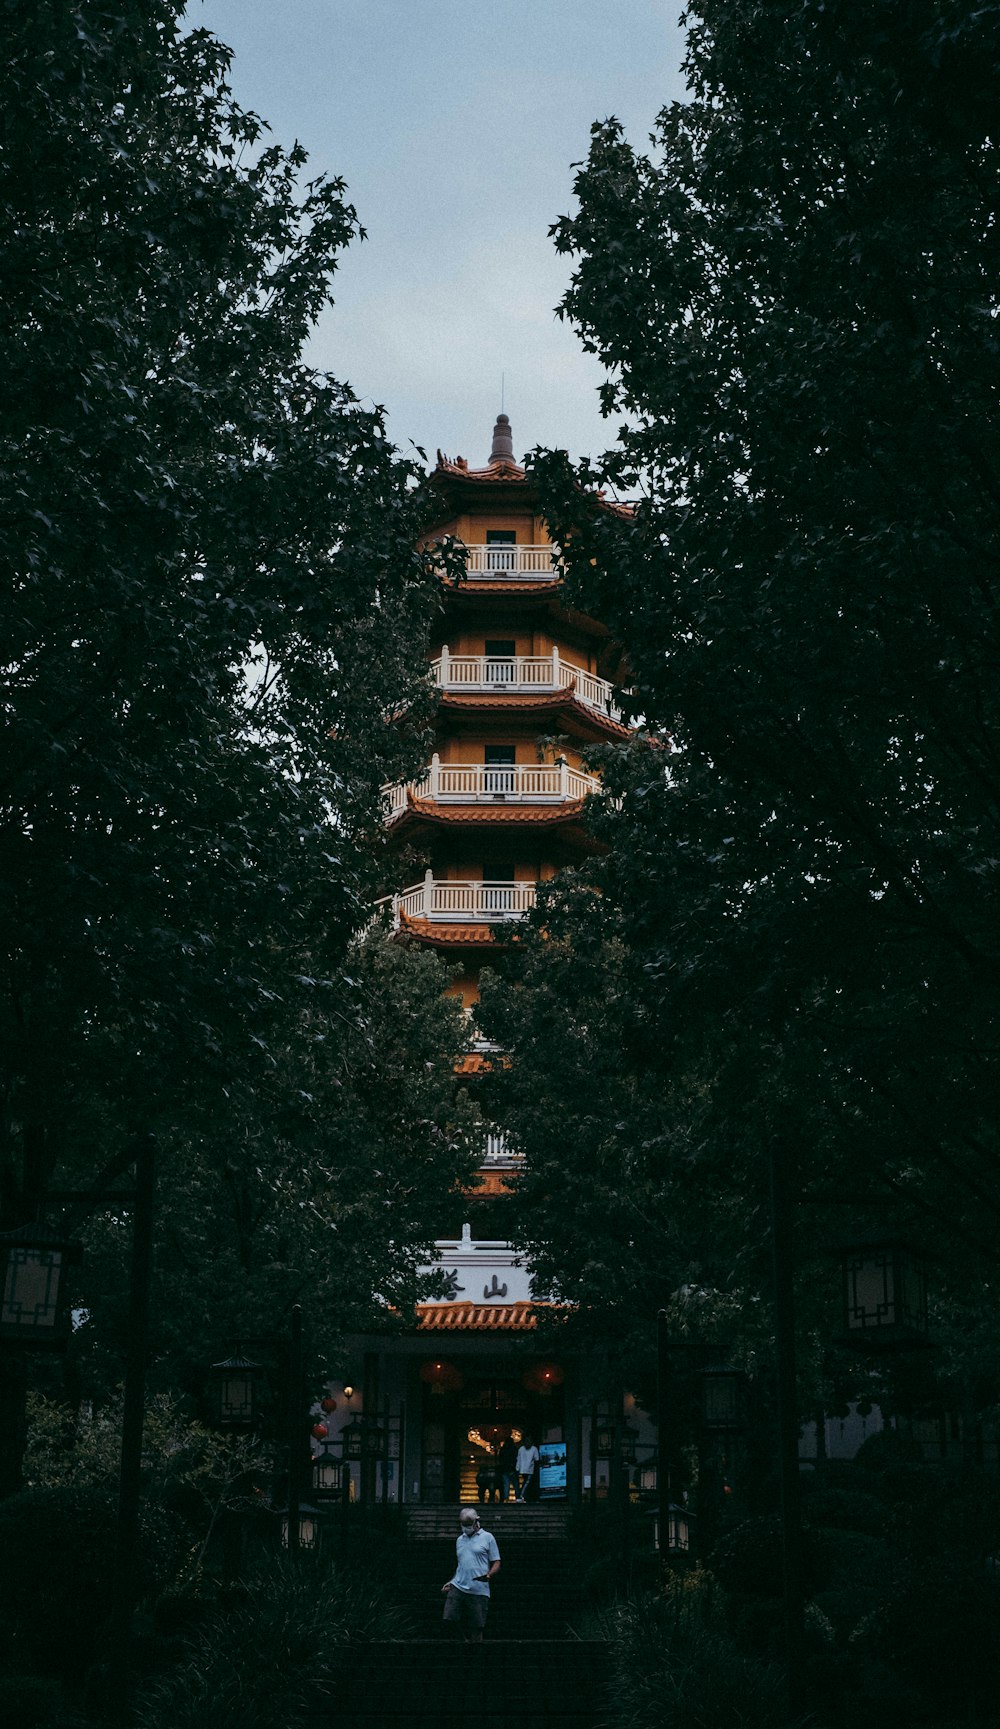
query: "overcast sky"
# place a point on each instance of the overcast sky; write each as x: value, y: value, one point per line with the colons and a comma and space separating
x: 455, y: 124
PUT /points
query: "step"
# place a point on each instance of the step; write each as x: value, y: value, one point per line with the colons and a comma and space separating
x: 512, y: 1519
x: 497, y: 1684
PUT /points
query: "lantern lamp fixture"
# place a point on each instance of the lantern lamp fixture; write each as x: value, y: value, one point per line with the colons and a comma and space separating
x: 722, y: 1397
x: 34, y: 1314
x: 885, y: 1296
x: 308, y: 1527
x: 235, y: 1380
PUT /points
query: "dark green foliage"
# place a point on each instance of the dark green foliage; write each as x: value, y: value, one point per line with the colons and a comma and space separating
x: 675, y: 1667
x: 32, y: 1702
x: 794, y: 292
x: 56, y: 1580
x: 274, y: 1652
x: 213, y: 604
x: 747, y: 1560
x: 214, y: 616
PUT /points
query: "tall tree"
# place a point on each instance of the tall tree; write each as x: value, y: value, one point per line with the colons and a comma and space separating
x: 213, y: 595
x: 795, y: 297
x: 213, y: 613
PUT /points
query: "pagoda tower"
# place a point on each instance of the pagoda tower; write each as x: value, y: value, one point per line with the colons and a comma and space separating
x: 526, y: 683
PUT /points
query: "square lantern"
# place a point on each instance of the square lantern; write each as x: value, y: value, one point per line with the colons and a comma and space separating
x: 721, y: 1397
x: 604, y: 1440
x: 34, y: 1314
x: 235, y: 1392
x: 328, y: 1476
x: 678, y: 1530
x: 308, y: 1527
x: 629, y: 1438
x: 351, y: 1435
x: 885, y: 1296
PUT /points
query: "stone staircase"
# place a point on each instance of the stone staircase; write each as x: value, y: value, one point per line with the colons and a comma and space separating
x: 533, y: 1670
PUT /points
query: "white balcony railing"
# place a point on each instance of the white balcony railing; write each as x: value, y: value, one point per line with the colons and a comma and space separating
x: 523, y: 672
x: 487, y: 783
x: 511, y: 561
x: 449, y: 902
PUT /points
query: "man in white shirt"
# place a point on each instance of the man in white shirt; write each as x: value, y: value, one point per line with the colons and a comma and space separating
x: 527, y: 1465
x: 467, y: 1593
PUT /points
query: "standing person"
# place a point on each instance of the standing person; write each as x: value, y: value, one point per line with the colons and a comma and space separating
x: 507, y: 1468
x: 527, y: 1465
x: 467, y: 1593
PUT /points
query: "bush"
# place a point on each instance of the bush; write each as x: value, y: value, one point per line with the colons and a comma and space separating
x: 271, y: 1656
x: 747, y: 1561
x: 31, y: 1702
x: 675, y: 1667
x: 56, y: 1581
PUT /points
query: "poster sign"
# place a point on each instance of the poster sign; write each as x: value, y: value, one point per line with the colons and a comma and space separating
x: 552, y: 1471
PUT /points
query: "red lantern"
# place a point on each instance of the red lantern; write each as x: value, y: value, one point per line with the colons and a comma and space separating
x: 328, y: 1404
x: 320, y: 1431
x: 442, y: 1377
x: 544, y: 1378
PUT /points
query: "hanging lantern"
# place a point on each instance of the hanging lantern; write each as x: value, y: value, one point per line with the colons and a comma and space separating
x: 328, y: 1404
x: 885, y: 1296
x: 320, y: 1431
x: 235, y: 1392
x: 543, y: 1378
x: 441, y: 1377
x: 33, y: 1310
x: 722, y: 1397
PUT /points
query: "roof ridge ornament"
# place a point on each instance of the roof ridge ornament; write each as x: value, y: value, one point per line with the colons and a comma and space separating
x: 503, y: 444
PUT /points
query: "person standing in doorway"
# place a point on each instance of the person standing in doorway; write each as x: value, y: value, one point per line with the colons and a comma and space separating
x: 507, y: 1467
x: 527, y: 1465
x: 467, y: 1593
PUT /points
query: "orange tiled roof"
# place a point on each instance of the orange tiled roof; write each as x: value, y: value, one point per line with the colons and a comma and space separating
x: 477, y: 1317
x: 428, y: 930
x: 542, y: 815
x: 488, y: 702
x: 503, y: 468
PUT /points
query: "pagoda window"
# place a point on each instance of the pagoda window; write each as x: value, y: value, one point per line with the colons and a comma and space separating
x: 500, y: 660
x: 498, y: 867
x: 500, y: 543
x: 500, y: 776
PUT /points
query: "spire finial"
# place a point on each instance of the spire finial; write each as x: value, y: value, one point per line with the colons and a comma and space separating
x: 503, y: 444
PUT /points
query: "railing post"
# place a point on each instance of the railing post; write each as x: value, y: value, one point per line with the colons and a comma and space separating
x: 445, y: 673
x: 555, y: 667
x: 563, y: 778
x: 428, y: 893
x: 435, y: 776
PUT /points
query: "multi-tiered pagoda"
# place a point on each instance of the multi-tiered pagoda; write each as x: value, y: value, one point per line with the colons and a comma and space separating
x: 527, y: 682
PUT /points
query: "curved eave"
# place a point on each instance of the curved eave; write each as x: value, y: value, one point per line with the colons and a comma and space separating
x: 436, y: 935
x: 479, y: 1317
x: 422, y: 814
x: 582, y: 721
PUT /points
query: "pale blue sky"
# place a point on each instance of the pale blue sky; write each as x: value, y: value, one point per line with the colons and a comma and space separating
x: 455, y: 124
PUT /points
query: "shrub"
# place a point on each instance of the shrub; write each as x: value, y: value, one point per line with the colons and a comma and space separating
x: 56, y: 1581
x: 675, y: 1667
x: 747, y: 1560
x: 271, y: 1655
